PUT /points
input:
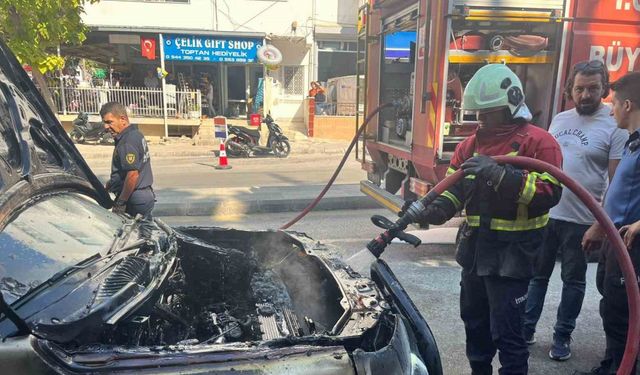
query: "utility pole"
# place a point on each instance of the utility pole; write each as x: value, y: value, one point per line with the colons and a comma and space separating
x: 314, y: 45
x: 214, y: 19
x: 62, y: 93
x: 164, y: 87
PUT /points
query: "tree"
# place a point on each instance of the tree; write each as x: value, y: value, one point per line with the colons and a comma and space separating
x: 34, y: 29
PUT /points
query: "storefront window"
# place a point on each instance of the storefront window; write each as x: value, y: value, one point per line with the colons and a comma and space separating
x: 336, y: 59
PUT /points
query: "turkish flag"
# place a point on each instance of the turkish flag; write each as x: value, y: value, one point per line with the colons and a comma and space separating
x: 148, y: 48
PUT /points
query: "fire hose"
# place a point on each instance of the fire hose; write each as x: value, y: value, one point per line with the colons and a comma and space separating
x: 317, y: 200
x: 396, y: 230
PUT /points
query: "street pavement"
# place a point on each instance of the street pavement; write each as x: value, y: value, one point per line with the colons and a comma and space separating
x: 191, y: 185
x: 184, y: 148
x: 431, y: 276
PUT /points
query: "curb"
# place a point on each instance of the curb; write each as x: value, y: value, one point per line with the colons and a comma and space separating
x: 220, y: 207
x: 154, y: 154
x: 213, y: 153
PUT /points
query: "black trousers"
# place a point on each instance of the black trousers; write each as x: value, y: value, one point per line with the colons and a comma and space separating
x: 614, y: 309
x: 492, y: 308
x: 141, y: 202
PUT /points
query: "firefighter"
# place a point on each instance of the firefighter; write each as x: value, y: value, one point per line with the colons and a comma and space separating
x: 131, y: 175
x: 506, y: 211
x: 622, y: 204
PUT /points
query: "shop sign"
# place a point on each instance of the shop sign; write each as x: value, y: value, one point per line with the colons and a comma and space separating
x: 210, y: 49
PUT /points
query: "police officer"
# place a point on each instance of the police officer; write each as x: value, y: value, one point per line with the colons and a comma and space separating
x: 131, y: 176
x: 622, y: 204
x: 506, y: 212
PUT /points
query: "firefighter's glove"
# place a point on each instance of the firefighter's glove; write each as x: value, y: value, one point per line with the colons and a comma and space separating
x: 485, y: 168
x: 433, y: 214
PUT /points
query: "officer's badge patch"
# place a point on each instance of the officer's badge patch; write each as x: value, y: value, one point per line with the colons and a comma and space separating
x: 131, y: 157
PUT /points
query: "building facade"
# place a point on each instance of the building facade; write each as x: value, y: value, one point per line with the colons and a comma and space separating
x: 213, y: 43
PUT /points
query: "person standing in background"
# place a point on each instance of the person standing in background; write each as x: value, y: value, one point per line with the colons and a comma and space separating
x: 591, y: 147
x: 317, y: 92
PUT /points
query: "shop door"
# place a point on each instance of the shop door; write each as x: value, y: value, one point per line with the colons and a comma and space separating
x: 236, y: 91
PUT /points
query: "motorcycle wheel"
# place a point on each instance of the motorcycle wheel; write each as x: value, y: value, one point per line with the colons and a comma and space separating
x: 76, y: 137
x: 108, y: 140
x: 236, y: 149
x: 281, y: 148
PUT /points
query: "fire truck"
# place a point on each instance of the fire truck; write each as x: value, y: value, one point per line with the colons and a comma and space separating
x: 419, y: 55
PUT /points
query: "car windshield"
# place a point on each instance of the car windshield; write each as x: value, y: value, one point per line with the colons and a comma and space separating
x: 49, y: 236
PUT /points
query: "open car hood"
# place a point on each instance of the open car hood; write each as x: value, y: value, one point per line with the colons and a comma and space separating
x: 32, y: 140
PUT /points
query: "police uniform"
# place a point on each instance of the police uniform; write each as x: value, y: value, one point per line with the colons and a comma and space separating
x: 132, y: 153
x: 622, y: 204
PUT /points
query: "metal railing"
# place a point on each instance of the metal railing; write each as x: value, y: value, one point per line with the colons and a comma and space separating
x: 336, y: 109
x: 142, y: 102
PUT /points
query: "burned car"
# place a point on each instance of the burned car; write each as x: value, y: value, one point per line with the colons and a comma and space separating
x: 85, y: 290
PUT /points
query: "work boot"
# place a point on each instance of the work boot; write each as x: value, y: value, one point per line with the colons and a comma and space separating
x: 560, y: 349
x: 529, y: 337
x: 481, y: 368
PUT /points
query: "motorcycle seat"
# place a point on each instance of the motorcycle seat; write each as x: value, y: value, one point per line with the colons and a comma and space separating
x: 252, y: 132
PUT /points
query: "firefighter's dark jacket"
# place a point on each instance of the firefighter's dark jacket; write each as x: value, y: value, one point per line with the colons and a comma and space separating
x: 504, y: 226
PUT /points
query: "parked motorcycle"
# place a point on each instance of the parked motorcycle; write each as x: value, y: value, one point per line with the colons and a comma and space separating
x: 85, y: 131
x: 246, y: 142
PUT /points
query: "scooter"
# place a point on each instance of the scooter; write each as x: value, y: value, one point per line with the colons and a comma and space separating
x: 246, y: 142
x: 85, y: 131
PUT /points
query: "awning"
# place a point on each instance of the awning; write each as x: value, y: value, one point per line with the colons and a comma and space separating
x: 120, y: 46
x: 336, y: 32
x: 168, y: 30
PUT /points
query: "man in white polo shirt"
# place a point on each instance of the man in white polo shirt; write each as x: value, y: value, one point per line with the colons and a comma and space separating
x: 591, y: 147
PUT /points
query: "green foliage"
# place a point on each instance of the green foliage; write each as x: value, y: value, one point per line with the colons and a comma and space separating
x: 34, y: 29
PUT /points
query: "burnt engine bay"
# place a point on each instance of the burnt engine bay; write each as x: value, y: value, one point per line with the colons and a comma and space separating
x: 217, y: 293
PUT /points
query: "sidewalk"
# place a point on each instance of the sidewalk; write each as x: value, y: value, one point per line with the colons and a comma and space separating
x: 236, y: 202
x: 184, y: 148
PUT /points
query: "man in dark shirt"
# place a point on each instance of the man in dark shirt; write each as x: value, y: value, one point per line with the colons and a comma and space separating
x: 131, y: 176
x: 622, y: 204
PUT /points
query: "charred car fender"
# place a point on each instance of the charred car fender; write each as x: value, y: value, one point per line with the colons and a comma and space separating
x: 382, y: 275
x: 397, y: 357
